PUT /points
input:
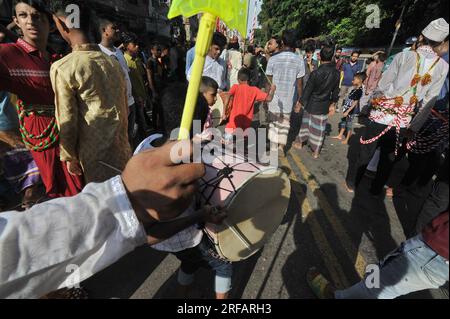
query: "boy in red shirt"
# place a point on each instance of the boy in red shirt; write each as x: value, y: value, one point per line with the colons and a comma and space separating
x: 244, y: 98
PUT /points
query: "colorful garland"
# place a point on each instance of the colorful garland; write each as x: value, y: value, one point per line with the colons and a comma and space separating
x: 48, y: 138
x: 400, y: 100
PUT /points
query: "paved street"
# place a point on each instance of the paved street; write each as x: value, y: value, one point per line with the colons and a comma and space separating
x: 326, y: 227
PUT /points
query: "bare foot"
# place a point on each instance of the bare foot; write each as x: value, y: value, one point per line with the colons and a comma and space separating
x: 390, y: 192
x: 316, y: 156
x: 337, y: 137
x: 349, y: 189
x: 345, y: 142
x: 298, y: 146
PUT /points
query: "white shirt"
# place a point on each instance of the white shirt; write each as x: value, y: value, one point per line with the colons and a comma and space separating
x: 90, y: 231
x: 396, y: 80
x: 285, y: 68
x: 118, y: 55
x: 215, y: 69
x: 188, y: 238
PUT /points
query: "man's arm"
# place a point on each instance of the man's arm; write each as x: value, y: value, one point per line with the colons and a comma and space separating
x: 428, y: 102
x: 300, y: 75
x: 66, y: 116
x: 300, y: 88
x: 162, y: 231
x: 40, y: 249
x: 151, y: 82
x: 89, y: 232
x: 308, y: 89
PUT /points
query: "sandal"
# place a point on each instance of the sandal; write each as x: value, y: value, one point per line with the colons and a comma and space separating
x: 318, y: 284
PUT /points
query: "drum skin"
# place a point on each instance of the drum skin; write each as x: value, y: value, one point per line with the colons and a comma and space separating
x: 256, y: 212
x: 256, y: 198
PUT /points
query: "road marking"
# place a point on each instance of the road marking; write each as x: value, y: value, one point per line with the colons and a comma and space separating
x: 330, y: 260
x: 351, y: 250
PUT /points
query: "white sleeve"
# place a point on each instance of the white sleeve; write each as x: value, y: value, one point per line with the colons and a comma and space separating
x: 65, y: 241
x: 269, y: 70
x: 429, y: 100
x: 302, y: 69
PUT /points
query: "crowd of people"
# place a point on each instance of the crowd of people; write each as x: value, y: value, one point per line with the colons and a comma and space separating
x: 70, y: 120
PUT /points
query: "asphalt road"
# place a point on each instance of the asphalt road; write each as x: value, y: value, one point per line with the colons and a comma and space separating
x: 325, y: 226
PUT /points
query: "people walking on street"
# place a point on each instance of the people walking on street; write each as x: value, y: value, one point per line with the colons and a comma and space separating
x: 319, y: 102
x: 407, y: 89
x: 286, y: 71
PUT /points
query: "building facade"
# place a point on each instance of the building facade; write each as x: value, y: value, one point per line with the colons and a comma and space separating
x: 142, y: 17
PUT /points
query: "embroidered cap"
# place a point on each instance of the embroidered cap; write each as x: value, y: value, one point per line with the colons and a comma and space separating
x: 437, y: 30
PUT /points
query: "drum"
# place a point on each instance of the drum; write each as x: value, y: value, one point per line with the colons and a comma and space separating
x: 256, y: 198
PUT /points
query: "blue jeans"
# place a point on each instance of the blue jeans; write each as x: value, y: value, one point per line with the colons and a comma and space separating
x: 413, y: 267
x: 204, y: 256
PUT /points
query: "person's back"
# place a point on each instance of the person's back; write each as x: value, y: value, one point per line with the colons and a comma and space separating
x: 286, y: 68
x: 92, y: 117
x: 242, y: 111
x: 137, y: 73
x: 397, y: 80
x: 320, y: 88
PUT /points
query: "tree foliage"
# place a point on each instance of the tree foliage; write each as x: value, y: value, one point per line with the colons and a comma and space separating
x: 345, y: 20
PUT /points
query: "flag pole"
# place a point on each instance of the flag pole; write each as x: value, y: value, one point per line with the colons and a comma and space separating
x: 202, y: 46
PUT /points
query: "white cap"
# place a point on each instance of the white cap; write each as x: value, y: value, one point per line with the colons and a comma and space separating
x: 436, y: 31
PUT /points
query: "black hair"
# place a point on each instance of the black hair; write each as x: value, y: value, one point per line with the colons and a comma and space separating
x: 244, y: 75
x: 208, y: 83
x: 382, y: 56
x: 219, y: 39
x: 278, y: 40
x: 251, y: 49
x: 310, y: 48
x: 234, y: 46
x: 129, y: 37
x: 339, y: 49
x: 39, y: 5
x: 326, y: 54
x: 154, y: 45
x: 289, y: 38
x: 103, y: 23
x: 172, y: 103
x: 361, y: 75
x: 356, y: 52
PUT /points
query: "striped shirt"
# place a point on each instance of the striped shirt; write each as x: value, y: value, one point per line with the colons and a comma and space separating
x: 285, y: 68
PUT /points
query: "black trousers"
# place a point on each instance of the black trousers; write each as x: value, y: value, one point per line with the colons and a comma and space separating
x: 157, y: 116
x: 387, y: 144
x: 422, y: 168
x: 296, y: 124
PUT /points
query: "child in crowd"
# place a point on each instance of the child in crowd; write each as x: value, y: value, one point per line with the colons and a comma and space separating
x: 190, y: 244
x: 351, y: 108
x: 244, y: 98
x: 207, y: 99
